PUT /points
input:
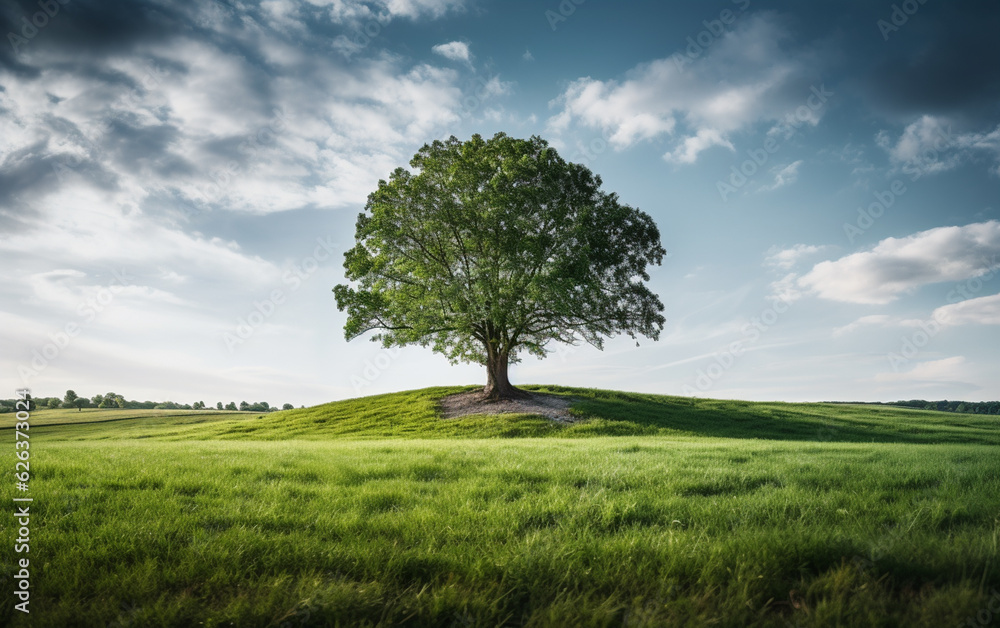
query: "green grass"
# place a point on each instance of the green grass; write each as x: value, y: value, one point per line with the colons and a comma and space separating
x: 63, y: 416
x: 652, y: 511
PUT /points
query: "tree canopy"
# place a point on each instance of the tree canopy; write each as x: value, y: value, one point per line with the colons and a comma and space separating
x: 491, y: 248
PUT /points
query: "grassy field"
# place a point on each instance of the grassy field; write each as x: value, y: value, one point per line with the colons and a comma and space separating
x: 650, y: 511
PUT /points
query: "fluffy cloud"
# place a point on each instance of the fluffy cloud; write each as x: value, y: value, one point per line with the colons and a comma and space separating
x: 454, y: 50
x: 353, y: 11
x: 898, y: 266
x: 157, y: 138
x: 978, y: 311
x: 930, y: 145
x: 691, y: 147
x: 745, y: 78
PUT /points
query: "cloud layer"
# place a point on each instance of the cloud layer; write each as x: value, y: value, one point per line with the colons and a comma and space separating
x: 898, y: 266
x: 746, y: 77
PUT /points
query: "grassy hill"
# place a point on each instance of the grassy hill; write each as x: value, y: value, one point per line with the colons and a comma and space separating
x: 414, y: 414
x: 650, y: 511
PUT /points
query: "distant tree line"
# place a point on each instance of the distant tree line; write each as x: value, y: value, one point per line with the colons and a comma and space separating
x: 968, y: 407
x: 964, y: 407
x: 114, y: 400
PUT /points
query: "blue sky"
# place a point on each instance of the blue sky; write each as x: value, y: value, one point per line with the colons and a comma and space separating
x: 179, y: 181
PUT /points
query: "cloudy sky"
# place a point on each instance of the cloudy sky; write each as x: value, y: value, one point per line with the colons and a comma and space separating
x: 179, y: 181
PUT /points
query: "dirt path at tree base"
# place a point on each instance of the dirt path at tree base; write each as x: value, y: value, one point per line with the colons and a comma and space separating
x: 555, y: 407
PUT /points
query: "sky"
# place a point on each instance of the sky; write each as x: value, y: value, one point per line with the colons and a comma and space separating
x: 179, y: 182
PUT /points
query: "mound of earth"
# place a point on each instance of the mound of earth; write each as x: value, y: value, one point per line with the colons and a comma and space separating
x: 555, y: 407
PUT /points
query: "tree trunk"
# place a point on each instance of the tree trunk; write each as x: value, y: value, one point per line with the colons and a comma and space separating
x: 497, y: 384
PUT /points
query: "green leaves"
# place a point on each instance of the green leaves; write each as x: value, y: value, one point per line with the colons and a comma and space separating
x: 498, y: 245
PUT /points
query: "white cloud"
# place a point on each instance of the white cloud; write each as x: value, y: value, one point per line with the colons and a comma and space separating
x: 898, y: 266
x: 785, y: 289
x: 353, y: 11
x: 527, y: 56
x: 691, y: 147
x: 929, y: 145
x: 454, y: 50
x: 419, y: 8
x: 978, y: 311
x: 744, y: 79
x: 786, y: 175
x: 787, y: 258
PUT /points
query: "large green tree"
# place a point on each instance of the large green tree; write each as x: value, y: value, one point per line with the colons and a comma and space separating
x: 73, y: 401
x: 491, y: 248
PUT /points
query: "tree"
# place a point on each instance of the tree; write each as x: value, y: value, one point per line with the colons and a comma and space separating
x: 72, y: 400
x: 287, y: 406
x: 198, y: 405
x: 112, y: 400
x: 492, y: 248
x: 231, y: 405
x: 244, y: 406
x: 53, y: 403
x: 218, y: 405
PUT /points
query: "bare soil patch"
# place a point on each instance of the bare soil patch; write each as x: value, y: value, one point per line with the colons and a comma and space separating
x: 555, y: 407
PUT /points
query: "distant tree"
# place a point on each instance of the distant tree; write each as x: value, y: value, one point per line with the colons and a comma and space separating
x: 198, y: 405
x: 287, y: 406
x: 231, y: 405
x: 109, y: 400
x: 97, y: 400
x: 244, y: 406
x: 494, y: 248
x: 218, y: 405
x: 53, y: 402
x: 962, y: 408
x: 72, y: 400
